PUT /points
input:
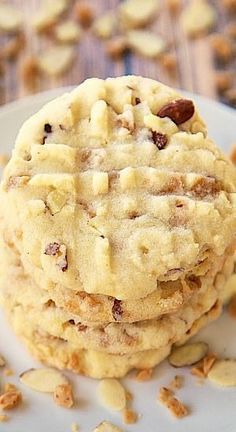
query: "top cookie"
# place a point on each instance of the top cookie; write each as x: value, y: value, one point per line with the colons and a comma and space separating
x: 116, y: 186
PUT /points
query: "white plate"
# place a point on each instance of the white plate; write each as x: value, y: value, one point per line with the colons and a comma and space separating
x: 213, y: 409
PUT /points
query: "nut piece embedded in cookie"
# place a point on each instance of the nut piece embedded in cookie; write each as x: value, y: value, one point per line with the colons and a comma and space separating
x: 178, y: 111
x: 112, y: 394
x: 188, y: 354
x: 44, y: 380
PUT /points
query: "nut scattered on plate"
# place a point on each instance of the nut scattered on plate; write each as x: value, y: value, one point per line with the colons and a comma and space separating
x: 10, y: 18
x: 68, y: 32
x: 231, y: 30
x: 43, y: 380
x: 169, y: 63
x: 30, y: 73
x: 145, y: 43
x: 177, y: 382
x: 106, y: 426
x: 129, y: 416
x: 188, y: 355
x: 174, y: 405
x: 223, y: 81
x: 13, y: 47
x: 10, y: 399
x: 137, y: 13
x: 223, y: 373
x: 56, y: 60
x: 63, y: 395
x: 112, y: 394
x: 144, y: 375
x: 198, y: 18
x: 8, y: 372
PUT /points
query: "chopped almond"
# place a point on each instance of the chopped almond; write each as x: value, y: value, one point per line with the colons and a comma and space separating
x: 83, y: 13
x: 177, y: 382
x: 129, y: 396
x: 165, y: 394
x: 9, y: 387
x: 129, y: 416
x: 177, y: 408
x: 208, y: 362
x: 144, y: 375
x: 10, y: 399
x: 63, y: 395
x: 198, y: 372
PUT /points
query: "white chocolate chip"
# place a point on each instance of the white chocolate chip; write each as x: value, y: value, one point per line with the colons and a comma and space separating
x: 127, y: 178
x: 145, y: 43
x: 100, y: 183
x: 99, y: 120
x: 68, y: 32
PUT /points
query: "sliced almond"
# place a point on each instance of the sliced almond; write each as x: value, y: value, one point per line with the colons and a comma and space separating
x: 2, y: 361
x: 129, y: 416
x: 198, y: 18
x: 10, y: 18
x: 56, y: 60
x: 68, y: 32
x: 44, y: 380
x: 188, y: 355
x: 177, y: 382
x: 137, y: 13
x: 146, y: 43
x: 106, y: 426
x: 223, y: 373
x: 63, y: 395
x: 112, y: 394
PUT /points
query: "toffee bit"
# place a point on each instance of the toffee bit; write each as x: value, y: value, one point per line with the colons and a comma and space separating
x: 159, y: 140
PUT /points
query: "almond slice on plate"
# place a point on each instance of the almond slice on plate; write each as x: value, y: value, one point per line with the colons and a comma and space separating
x: 223, y: 373
x: 112, y: 394
x: 56, y: 60
x: 188, y: 355
x: 10, y: 18
x: 106, y: 426
x: 146, y: 43
x: 44, y: 380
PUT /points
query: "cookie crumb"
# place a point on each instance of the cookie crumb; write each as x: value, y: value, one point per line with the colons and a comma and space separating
x: 177, y: 383
x: 63, y: 395
x: 144, y: 375
x: 129, y: 416
x: 165, y: 394
x: 177, y: 408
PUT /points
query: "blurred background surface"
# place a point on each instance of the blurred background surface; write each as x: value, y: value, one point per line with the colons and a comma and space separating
x: 51, y: 43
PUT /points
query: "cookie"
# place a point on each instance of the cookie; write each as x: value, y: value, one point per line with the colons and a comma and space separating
x: 115, y: 338
x: 58, y: 353
x: 116, y: 186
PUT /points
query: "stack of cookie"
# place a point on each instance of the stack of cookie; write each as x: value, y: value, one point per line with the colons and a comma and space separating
x: 118, y: 223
